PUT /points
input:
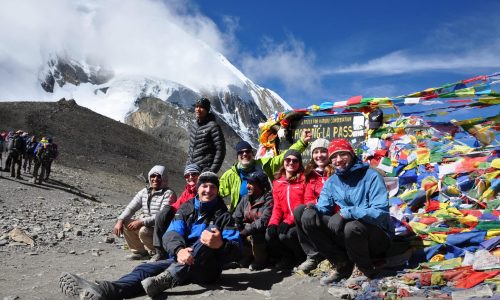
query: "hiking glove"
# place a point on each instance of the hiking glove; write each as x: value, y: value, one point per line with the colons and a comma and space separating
x: 336, y: 224
x: 283, y: 228
x: 310, y: 218
x: 272, y: 231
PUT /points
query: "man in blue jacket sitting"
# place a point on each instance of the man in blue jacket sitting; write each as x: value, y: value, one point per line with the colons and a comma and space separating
x: 362, y: 229
x: 199, y: 240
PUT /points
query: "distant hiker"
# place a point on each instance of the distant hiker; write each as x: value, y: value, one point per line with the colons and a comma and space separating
x: 201, y: 238
x: 139, y: 232
x: 233, y: 183
x: 54, y: 152
x: 8, y: 140
x: 317, y: 171
x: 30, y: 153
x: 167, y: 213
x: 252, y: 216
x: 16, y: 148
x: 42, y: 158
x: 361, y: 231
x: 207, y: 146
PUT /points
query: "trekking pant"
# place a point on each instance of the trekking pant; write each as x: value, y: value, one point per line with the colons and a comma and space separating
x: 305, y: 243
x: 28, y: 158
x: 16, y: 159
x: 255, y: 246
x: 48, y: 168
x: 162, y: 221
x: 286, y: 245
x: 139, y: 241
x: 206, y: 269
x: 358, y: 242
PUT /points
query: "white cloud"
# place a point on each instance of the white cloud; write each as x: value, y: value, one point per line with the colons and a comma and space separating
x: 170, y: 40
x: 400, y: 62
x: 287, y: 62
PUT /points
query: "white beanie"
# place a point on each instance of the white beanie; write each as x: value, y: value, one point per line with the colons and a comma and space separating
x: 162, y: 171
x: 319, y: 143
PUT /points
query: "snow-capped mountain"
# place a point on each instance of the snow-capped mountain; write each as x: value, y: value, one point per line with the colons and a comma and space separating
x: 241, y: 104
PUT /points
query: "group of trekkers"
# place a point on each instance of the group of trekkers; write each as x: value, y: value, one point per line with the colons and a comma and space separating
x: 23, y: 150
x: 278, y: 213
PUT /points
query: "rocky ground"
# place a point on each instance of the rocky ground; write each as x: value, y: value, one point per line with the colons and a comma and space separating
x: 65, y: 225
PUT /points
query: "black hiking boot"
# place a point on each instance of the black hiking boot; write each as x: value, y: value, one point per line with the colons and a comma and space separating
x: 74, y: 286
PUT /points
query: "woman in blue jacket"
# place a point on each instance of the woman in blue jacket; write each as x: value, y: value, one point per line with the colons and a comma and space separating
x: 361, y: 231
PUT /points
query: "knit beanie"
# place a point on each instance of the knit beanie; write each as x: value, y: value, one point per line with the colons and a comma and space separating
x: 242, y: 145
x: 207, y: 177
x: 260, y: 178
x: 294, y: 153
x: 319, y: 143
x: 192, y: 168
x: 162, y: 171
x: 339, y: 145
x: 203, y: 102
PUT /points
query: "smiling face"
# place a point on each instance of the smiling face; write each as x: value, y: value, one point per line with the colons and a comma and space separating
x: 207, y: 192
x: 320, y: 157
x: 155, y: 180
x: 245, y: 157
x: 291, y: 164
x: 254, y: 189
x: 191, y: 178
x: 200, y: 112
x: 341, y: 159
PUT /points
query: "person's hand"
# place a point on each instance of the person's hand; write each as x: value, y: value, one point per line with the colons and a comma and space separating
x: 211, y: 238
x: 118, y: 228
x: 310, y: 218
x: 135, y: 225
x: 185, y: 257
x: 283, y: 228
x: 272, y: 230
x: 336, y: 224
x: 306, y: 136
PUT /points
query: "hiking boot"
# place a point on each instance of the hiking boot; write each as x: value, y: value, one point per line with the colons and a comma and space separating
x: 74, y: 286
x: 254, y: 266
x: 341, y: 271
x: 158, y: 256
x: 155, y: 285
x: 137, y: 256
x: 308, y: 265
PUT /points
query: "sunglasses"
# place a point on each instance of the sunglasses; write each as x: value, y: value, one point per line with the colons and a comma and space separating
x: 292, y: 160
x: 155, y: 176
x: 245, y: 152
x: 191, y: 175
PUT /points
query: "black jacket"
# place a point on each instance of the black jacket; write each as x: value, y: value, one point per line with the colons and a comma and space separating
x: 253, y: 217
x: 207, y: 147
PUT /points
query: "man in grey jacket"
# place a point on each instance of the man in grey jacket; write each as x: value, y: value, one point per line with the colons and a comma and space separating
x: 139, y: 232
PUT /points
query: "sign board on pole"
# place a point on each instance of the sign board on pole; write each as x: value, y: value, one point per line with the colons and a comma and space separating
x: 350, y: 126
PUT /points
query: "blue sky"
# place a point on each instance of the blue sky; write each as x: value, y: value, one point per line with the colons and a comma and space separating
x: 316, y: 51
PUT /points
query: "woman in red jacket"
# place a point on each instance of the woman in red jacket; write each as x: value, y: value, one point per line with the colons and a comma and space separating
x: 288, y: 193
x: 316, y: 173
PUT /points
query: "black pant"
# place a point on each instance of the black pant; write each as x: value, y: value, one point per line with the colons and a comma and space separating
x: 306, y: 244
x: 206, y: 269
x: 286, y: 245
x: 358, y: 242
x: 162, y: 221
x: 16, y: 159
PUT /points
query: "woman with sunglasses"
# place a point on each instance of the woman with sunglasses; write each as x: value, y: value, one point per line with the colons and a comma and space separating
x: 288, y: 193
x: 165, y: 216
x: 317, y: 171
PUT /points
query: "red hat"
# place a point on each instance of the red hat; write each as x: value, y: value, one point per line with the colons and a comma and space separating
x: 337, y: 145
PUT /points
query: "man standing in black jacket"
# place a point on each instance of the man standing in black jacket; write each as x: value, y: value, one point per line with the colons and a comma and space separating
x: 200, y: 239
x: 207, y: 147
